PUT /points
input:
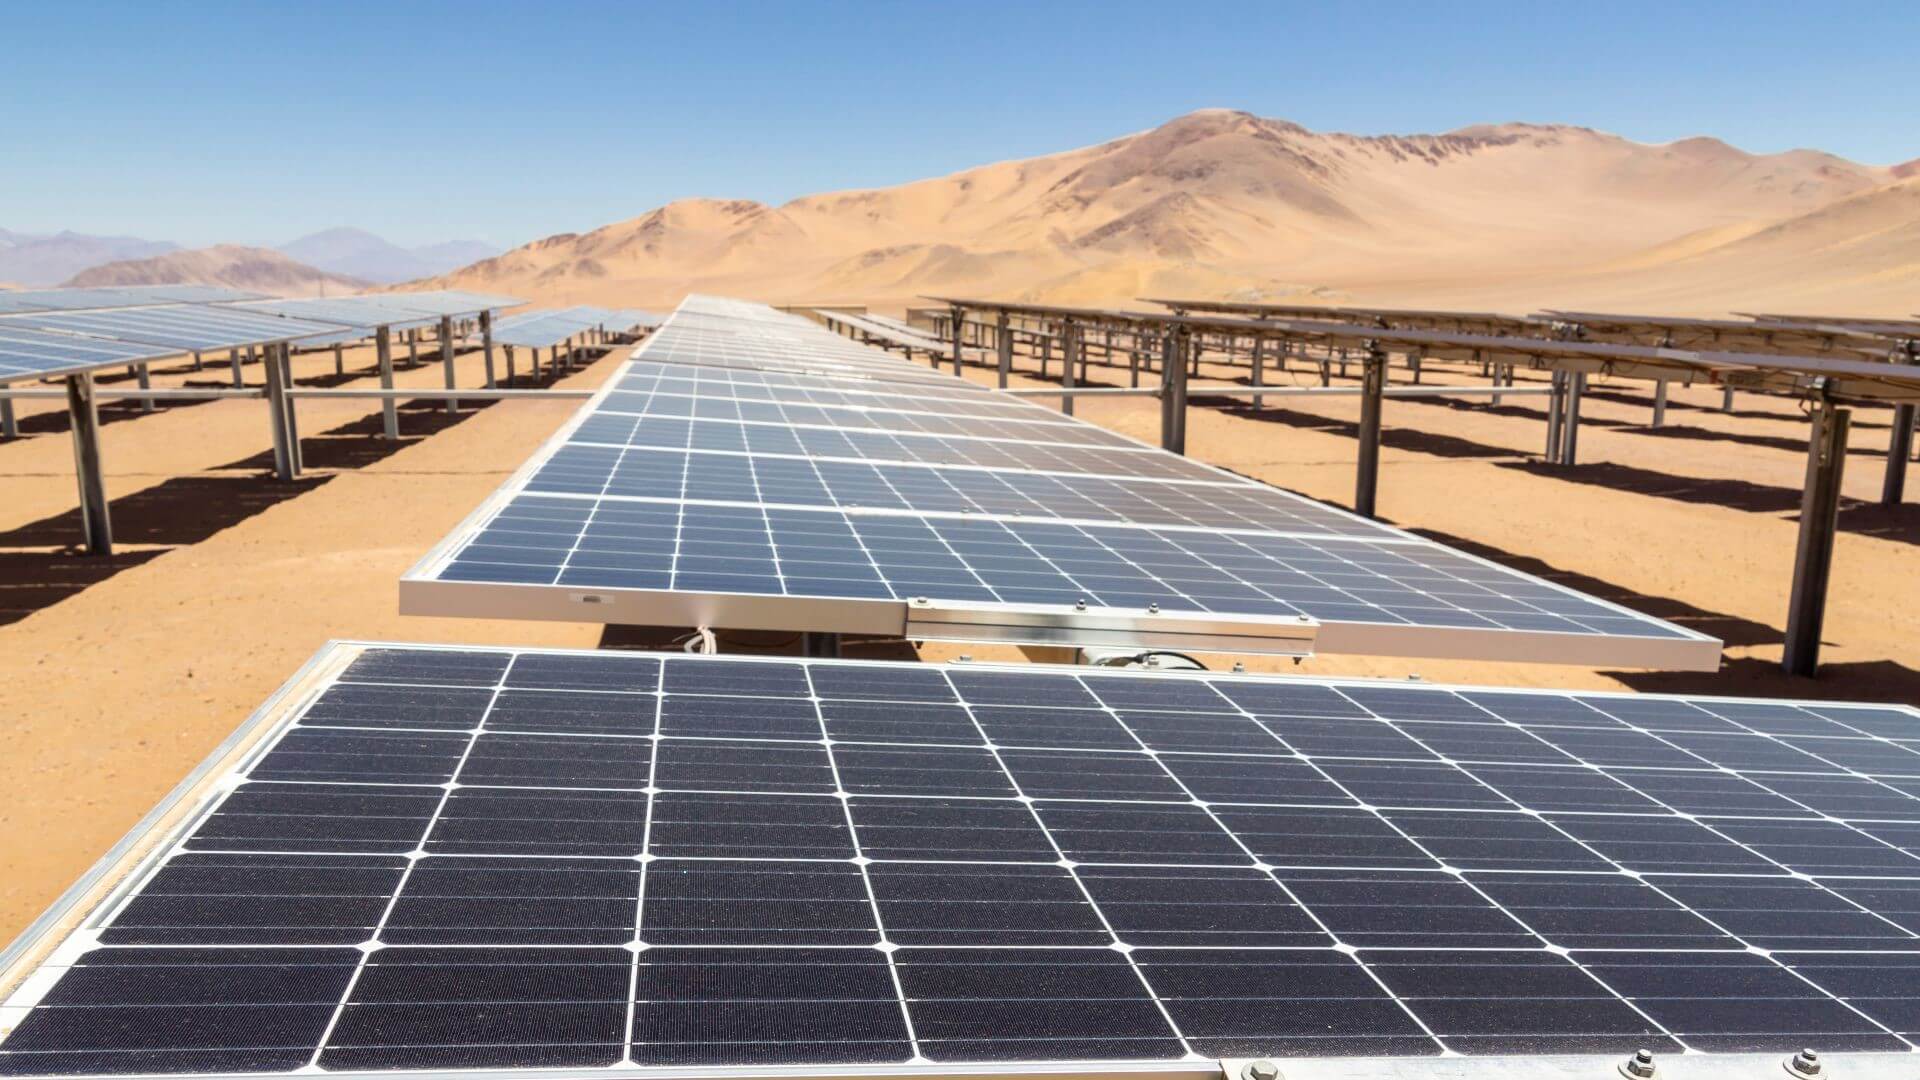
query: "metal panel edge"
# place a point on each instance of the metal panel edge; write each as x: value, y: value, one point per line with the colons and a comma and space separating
x: 1691, y: 653
x: 649, y: 607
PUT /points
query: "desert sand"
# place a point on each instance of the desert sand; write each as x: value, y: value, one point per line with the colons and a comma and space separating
x: 117, y: 676
x: 1220, y: 203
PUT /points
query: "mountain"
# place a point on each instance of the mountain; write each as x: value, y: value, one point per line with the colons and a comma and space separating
x: 1226, y: 203
x: 258, y: 269
x: 39, y: 260
x: 361, y: 254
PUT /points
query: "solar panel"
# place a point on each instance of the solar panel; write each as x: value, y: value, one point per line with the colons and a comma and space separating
x: 420, y: 858
x: 541, y: 329
x: 184, y: 327
x: 19, y: 300
x: 718, y: 495
x: 38, y: 354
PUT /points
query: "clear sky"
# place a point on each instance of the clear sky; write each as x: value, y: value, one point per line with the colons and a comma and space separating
x: 255, y: 123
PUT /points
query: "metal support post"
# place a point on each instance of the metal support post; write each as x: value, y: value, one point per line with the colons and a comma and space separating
x: 95, y: 522
x: 339, y: 360
x: 1046, y: 351
x: 199, y: 363
x: 413, y: 347
x: 508, y: 350
x: 1899, y: 450
x: 9, y: 427
x: 1570, y: 418
x: 1556, y: 403
x: 819, y: 644
x: 1813, y: 557
x: 1173, y: 392
x: 233, y: 358
x: 1071, y: 348
x: 144, y: 379
x: 1003, y: 347
x: 446, y: 360
x: 1726, y: 399
x: 1659, y: 402
x: 959, y: 329
x: 277, y: 417
x: 486, y: 344
x: 282, y: 353
x: 1366, y: 480
x: 389, y: 411
x: 1259, y: 371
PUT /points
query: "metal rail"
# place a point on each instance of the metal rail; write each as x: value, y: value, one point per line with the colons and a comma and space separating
x: 1286, y: 391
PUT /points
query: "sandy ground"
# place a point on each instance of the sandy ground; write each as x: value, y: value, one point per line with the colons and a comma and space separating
x: 117, y: 677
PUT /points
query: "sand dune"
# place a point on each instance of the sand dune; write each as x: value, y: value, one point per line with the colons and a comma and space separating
x: 259, y: 269
x: 1221, y: 202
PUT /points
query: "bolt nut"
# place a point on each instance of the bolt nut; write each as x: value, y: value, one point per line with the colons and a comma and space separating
x: 1153, y: 608
x: 1080, y: 604
x: 1804, y: 1063
x: 1260, y: 1069
x: 1639, y: 1066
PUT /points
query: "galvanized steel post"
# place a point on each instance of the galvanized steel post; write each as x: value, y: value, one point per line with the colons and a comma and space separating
x: 1813, y: 556
x: 85, y: 421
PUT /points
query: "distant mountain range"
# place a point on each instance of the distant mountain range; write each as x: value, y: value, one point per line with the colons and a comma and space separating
x: 40, y: 260
x: 361, y: 254
x: 257, y: 269
x: 1221, y: 203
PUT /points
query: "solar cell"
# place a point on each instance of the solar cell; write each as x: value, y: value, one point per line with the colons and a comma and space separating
x: 457, y: 859
x: 760, y: 496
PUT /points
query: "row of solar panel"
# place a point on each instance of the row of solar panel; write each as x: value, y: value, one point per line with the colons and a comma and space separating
x: 88, y: 332
x: 544, y: 329
x: 760, y: 456
x: 720, y: 862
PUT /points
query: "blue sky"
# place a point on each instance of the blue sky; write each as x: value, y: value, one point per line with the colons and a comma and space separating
x: 256, y: 123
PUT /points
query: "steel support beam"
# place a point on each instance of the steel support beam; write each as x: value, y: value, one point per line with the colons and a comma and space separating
x: 815, y: 643
x: 1173, y: 392
x: 233, y: 359
x: 283, y: 466
x: 486, y: 344
x: 1899, y: 450
x: 1570, y: 418
x: 959, y: 330
x: 389, y: 411
x: 283, y: 353
x: 339, y: 359
x: 1366, y: 478
x: 143, y: 378
x: 84, y: 414
x: 1259, y: 371
x: 1556, y: 409
x: 1659, y: 402
x: 1003, y: 347
x: 9, y: 427
x: 446, y: 360
x: 1070, y: 349
x: 1813, y: 557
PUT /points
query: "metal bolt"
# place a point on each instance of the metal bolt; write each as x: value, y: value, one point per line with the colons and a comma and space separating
x: 1639, y: 1066
x: 1080, y: 604
x: 1261, y: 1069
x: 1239, y: 667
x: 1153, y: 608
x: 1804, y: 1063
